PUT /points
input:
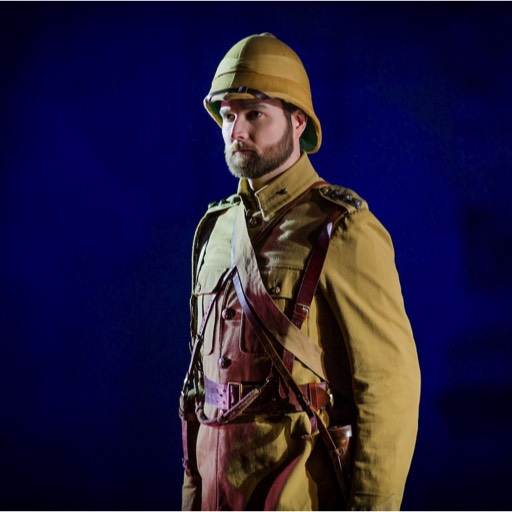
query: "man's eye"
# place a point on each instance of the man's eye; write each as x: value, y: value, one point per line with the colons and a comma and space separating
x: 227, y: 117
x: 253, y: 114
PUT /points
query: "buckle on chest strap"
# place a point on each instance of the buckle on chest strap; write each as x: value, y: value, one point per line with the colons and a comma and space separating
x: 236, y: 392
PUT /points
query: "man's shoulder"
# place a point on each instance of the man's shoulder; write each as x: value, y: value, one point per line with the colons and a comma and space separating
x: 223, y: 204
x: 215, y: 210
x: 342, y: 196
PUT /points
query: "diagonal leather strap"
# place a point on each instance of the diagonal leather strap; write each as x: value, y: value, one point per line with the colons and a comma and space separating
x: 283, y: 330
x: 265, y: 337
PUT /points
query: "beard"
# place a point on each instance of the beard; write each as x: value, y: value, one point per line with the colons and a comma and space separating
x: 250, y: 164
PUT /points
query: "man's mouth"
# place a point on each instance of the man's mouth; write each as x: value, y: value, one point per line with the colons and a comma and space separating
x: 238, y: 148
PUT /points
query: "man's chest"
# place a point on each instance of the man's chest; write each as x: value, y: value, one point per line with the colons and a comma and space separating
x: 284, y: 245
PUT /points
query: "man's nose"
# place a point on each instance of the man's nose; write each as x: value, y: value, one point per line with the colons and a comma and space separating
x: 239, y: 129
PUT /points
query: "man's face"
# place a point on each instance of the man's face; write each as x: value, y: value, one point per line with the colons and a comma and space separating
x: 257, y: 135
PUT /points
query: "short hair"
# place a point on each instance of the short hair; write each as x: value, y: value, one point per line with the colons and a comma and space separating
x: 290, y: 108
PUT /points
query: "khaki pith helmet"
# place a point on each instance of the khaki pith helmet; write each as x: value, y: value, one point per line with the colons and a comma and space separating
x: 262, y: 66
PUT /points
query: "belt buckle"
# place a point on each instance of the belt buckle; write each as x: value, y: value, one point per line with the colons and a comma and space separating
x: 232, y: 398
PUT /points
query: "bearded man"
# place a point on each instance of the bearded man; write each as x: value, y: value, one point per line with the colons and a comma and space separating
x: 303, y: 388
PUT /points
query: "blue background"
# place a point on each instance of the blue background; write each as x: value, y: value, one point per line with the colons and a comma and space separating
x: 108, y: 161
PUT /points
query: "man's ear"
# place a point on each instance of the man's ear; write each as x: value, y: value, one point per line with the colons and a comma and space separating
x: 299, y: 121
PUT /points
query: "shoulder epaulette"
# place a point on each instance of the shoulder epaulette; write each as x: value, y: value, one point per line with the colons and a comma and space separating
x: 224, y: 203
x: 205, y: 227
x: 344, y: 196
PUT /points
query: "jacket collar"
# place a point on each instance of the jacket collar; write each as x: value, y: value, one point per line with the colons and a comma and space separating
x: 280, y: 191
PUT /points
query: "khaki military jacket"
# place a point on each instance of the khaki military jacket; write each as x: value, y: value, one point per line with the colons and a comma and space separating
x: 357, y: 317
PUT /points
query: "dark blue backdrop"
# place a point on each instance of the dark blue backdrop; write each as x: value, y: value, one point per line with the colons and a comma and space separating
x: 108, y: 161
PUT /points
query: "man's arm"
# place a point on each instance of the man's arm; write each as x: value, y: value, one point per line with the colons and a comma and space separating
x: 362, y: 286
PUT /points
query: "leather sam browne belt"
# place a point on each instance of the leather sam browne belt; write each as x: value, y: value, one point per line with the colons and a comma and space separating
x: 226, y: 396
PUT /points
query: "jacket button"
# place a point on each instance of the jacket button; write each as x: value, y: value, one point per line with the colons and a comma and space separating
x: 228, y: 313
x: 224, y: 362
x: 276, y: 290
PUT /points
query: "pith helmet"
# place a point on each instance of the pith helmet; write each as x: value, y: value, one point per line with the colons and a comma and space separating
x: 262, y: 66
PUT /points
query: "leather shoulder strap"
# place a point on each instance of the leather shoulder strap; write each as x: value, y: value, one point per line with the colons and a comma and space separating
x: 311, y: 275
x: 315, y: 264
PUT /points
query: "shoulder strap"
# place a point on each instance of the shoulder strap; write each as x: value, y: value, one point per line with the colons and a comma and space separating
x: 311, y: 276
x: 314, y: 266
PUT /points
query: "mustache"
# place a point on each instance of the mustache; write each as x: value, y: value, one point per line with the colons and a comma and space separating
x: 240, y: 146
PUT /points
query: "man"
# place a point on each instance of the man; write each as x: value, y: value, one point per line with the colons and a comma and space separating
x: 298, y: 320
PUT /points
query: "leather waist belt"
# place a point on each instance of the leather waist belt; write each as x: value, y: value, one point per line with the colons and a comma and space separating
x: 226, y: 396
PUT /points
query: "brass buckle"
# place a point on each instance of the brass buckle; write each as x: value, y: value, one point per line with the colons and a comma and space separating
x: 232, y: 400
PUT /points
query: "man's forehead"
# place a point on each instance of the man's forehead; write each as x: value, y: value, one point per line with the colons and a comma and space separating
x: 250, y: 104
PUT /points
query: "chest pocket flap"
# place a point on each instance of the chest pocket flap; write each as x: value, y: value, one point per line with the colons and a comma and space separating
x: 208, y: 279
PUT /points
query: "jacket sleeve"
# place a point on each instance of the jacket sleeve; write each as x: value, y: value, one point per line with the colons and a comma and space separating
x: 361, y: 283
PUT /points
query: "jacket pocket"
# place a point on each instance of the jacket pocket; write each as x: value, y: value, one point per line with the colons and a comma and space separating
x: 208, y: 280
